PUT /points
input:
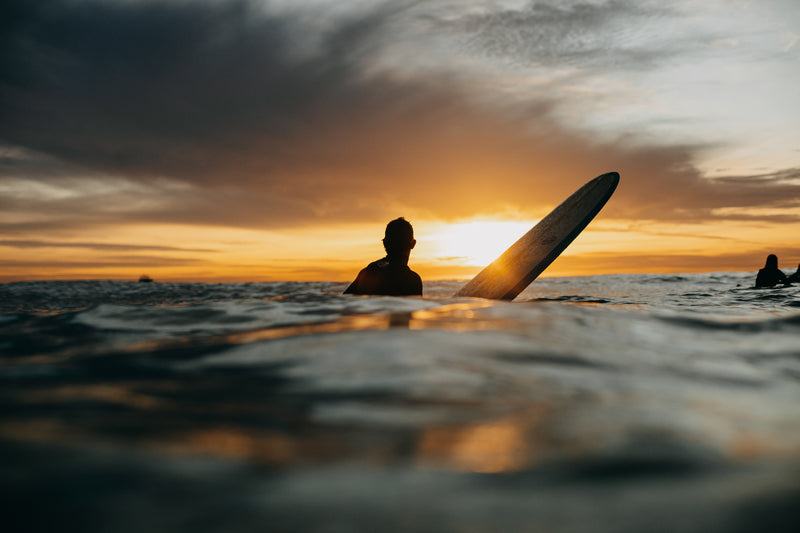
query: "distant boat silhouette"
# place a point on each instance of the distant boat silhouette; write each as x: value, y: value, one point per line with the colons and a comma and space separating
x: 144, y: 278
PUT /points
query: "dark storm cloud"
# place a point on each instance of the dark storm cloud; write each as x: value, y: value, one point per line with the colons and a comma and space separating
x: 219, y: 113
x: 144, y: 88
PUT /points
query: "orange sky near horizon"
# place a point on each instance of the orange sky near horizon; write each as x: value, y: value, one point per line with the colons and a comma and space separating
x: 444, y: 251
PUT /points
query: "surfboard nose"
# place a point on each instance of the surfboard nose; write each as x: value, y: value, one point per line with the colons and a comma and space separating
x: 609, y: 179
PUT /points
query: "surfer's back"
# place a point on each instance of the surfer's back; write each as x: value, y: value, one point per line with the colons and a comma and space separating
x: 391, y: 276
x: 385, y: 278
x: 770, y: 275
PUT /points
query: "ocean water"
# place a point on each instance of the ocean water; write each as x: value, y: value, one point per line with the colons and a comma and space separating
x: 597, y: 404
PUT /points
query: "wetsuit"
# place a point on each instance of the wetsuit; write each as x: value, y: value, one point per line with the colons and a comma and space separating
x: 769, y: 277
x: 386, y: 278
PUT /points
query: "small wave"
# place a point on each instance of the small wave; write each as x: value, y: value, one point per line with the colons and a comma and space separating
x: 208, y: 318
x: 556, y: 359
x: 750, y: 326
x: 645, y: 458
x: 572, y: 299
x: 699, y: 295
x: 667, y: 279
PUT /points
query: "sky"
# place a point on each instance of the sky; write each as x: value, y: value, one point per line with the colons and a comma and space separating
x: 245, y: 140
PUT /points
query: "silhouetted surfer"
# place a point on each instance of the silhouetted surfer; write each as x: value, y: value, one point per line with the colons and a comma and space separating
x: 391, y: 276
x: 770, y: 275
x: 794, y: 278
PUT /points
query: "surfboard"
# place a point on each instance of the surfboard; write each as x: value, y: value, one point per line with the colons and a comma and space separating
x: 523, y: 261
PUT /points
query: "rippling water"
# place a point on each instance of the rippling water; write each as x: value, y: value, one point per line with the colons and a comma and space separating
x: 601, y: 403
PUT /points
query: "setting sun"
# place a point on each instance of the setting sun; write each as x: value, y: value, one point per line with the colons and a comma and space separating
x: 475, y: 243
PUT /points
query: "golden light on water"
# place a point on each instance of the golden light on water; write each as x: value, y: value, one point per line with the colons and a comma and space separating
x: 499, y: 446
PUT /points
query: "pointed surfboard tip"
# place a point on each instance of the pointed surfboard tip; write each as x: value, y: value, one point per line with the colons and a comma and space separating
x: 612, y: 178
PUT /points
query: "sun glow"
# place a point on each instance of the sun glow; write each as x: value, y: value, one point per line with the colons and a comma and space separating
x: 475, y: 243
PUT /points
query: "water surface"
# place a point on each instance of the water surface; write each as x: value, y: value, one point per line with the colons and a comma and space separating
x: 601, y: 403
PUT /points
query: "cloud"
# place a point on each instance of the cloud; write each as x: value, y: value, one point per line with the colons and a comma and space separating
x: 676, y: 262
x: 590, y: 36
x: 221, y: 113
x: 99, y: 264
x: 97, y: 246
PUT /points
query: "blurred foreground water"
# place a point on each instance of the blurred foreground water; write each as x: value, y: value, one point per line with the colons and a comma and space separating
x: 601, y: 403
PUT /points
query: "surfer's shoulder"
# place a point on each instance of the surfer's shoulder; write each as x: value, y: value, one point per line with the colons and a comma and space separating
x: 417, y: 283
x: 378, y: 265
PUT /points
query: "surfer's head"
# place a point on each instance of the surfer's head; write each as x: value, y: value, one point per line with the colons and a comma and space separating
x: 772, y: 262
x: 399, y: 238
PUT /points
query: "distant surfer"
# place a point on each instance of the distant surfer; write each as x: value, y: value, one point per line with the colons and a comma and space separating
x: 770, y: 275
x: 391, y: 276
x: 794, y: 278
